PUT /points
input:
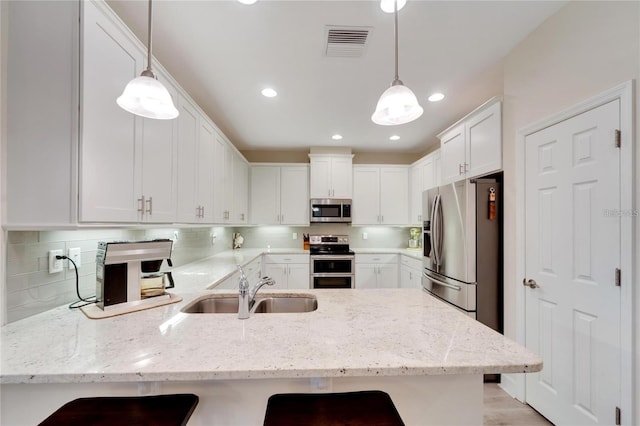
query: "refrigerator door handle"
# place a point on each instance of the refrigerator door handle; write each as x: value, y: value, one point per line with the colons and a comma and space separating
x: 437, y: 230
x: 432, y: 234
x: 442, y: 283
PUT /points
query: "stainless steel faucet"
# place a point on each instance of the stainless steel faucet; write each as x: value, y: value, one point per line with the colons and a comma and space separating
x: 246, y: 295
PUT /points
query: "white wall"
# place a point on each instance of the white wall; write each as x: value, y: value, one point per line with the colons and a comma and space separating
x: 3, y: 151
x: 583, y: 50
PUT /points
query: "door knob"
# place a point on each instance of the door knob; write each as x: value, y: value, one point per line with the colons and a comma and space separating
x: 530, y: 283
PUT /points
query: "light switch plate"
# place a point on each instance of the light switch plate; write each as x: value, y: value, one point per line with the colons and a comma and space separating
x: 365, y: 235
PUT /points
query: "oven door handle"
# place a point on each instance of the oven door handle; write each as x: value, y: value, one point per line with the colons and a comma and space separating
x: 442, y: 283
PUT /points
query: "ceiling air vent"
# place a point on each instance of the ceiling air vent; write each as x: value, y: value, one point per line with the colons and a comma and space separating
x: 346, y: 42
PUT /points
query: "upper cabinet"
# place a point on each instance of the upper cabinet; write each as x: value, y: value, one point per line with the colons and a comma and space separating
x: 279, y: 195
x: 330, y: 176
x: 424, y: 174
x: 380, y: 195
x: 473, y: 146
x: 103, y: 164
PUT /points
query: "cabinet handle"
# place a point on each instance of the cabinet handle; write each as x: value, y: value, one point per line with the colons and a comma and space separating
x: 466, y: 167
x: 381, y: 219
x: 242, y: 217
x: 141, y: 205
x: 460, y: 168
x: 282, y: 219
x: 150, y: 204
x: 202, y: 211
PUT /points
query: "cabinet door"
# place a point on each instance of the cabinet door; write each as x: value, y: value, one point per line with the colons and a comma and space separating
x: 278, y: 272
x: 265, y: 195
x: 394, y: 195
x: 428, y: 175
x: 366, y: 276
x: 366, y: 196
x: 219, y: 167
x: 415, y: 195
x: 187, y: 207
x: 294, y: 195
x: 484, y: 142
x: 159, y: 165
x: 206, y: 175
x: 227, y: 182
x: 342, y: 177
x: 320, y: 177
x: 387, y: 275
x: 109, y: 159
x: 437, y: 169
x: 298, y: 275
x: 452, y: 151
x: 240, y: 197
x: 409, y: 277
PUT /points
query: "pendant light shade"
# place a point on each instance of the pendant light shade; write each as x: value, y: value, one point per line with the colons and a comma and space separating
x: 387, y: 5
x: 398, y: 104
x: 145, y: 95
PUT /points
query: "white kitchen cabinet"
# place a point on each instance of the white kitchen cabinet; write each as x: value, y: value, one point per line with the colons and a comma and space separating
x: 289, y: 271
x: 196, y: 138
x: 424, y: 175
x: 109, y: 158
x: 240, y: 198
x: 376, y: 271
x: 279, y: 195
x: 331, y: 176
x: 410, y: 272
x: 380, y: 195
x: 473, y: 146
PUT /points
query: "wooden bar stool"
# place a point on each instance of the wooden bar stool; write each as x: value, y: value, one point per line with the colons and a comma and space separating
x: 158, y: 410
x: 366, y: 408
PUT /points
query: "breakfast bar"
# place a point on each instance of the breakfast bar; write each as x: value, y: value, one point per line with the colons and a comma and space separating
x: 429, y: 357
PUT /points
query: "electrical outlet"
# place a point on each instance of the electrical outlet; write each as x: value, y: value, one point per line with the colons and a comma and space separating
x: 365, y: 235
x: 74, y: 254
x: 213, y: 239
x: 294, y: 236
x: 55, y: 265
x: 175, y: 235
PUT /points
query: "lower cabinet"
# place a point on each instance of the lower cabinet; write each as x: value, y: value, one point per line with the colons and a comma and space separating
x: 410, y: 272
x: 288, y: 271
x: 376, y: 271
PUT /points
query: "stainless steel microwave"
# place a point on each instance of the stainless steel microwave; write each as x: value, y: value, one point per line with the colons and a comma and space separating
x: 330, y: 210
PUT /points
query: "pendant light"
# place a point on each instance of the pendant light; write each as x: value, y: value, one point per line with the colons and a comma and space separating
x: 388, y: 7
x: 145, y: 95
x: 398, y: 104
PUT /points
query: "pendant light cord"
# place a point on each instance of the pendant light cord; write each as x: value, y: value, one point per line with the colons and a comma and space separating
x: 149, y: 39
x: 395, y: 30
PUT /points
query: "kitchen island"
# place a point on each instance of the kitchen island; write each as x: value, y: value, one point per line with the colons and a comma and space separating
x: 429, y: 357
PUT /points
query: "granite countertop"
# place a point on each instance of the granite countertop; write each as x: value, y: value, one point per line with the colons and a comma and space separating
x: 385, y: 332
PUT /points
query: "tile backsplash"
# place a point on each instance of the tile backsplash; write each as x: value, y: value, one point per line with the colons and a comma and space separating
x: 30, y: 289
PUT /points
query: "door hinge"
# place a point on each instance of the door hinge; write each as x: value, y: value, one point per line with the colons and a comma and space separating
x: 617, y: 277
x: 618, y: 138
x: 618, y: 416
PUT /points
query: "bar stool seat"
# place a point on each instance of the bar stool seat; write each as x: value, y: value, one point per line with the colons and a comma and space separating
x: 365, y: 408
x: 157, y: 410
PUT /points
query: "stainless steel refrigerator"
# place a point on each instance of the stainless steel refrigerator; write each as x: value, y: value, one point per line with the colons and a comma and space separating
x: 463, y: 247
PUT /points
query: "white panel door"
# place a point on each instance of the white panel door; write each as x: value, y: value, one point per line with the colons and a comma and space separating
x: 572, y: 252
x: 240, y: 190
x: 320, y: 177
x: 484, y: 142
x: 366, y: 276
x: 387, y: 275
x: 341, y: 177
x: 415, y: 196
x: 218, y: 184
x: 206, y: 170
x: 278, y: 272
x: 298, y: 275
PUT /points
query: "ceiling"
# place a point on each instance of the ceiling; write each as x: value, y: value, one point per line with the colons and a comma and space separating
x: 224, y: 53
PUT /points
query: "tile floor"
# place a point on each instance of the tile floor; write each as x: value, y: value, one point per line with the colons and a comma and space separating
x: 501, y: 409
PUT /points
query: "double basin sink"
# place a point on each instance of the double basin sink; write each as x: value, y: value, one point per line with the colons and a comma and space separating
x: 228, y: 304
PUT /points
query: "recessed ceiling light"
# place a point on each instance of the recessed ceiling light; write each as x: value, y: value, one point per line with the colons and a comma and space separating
x: 436, y: 97
x: 269, y: 92
x: 394, y: 138
x: 336, y: 137
x: 247, y: 1
x: 387, y: 5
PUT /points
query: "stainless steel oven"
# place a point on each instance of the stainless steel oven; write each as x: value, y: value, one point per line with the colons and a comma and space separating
x: 332, y: 263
